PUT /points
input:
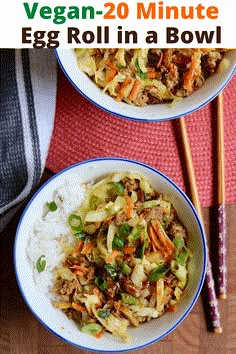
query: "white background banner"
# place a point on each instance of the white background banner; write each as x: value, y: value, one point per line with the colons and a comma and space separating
x: 104, y: 24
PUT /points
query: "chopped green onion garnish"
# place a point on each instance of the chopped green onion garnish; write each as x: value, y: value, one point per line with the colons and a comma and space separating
x: 129, y: 299
x: 81, y: 235
x: 126, y: 270
x: 101, y: 283
x: 182, y: 253
x: 124, y: 230
x: 111, y: 269
x: 163, y: 226
x: 141, y: 250
x: 120, y: 189
x: 182, y: 257
x: 75, y: 222
x: 135, y: 235
x: 91, y: 328
x: 158, y: 273
x: 104, y: 313
x: 51, y: 206
x: 41, y: 264
x: 120, y: 66
x: 118, y: 243
x: 140, y: 73
x: 178, y: 242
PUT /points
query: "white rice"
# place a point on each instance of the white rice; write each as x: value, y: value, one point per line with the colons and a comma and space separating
x: 51, y: 233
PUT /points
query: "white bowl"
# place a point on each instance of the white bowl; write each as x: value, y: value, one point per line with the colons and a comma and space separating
x: 39, y: 302
x: 157, y: 112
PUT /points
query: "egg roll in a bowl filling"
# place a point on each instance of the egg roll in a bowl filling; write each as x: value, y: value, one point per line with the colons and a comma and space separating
x: 129, y: 261
x: 150, y: 76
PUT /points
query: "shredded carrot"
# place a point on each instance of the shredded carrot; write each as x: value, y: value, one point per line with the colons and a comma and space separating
x: 112, y: 65
x: 172, y: 308
x: 168, y: 244
x: 88, y: 248
x: 99, y: 334
x: 154, y: 247
x: 112, y: 256
x: 156, y: 244
x: 173, y: 69
x: 160, y: 60
x: 152, y: 74
x: 78, y: 272
x: 135, y: 89
x: 193, y: 72
x: 129, y: 249
x: 110, y: 75
x: 122, y: 87
x: 97, y: 224
x: 130, y: 206
x: 78, y: 248
x: 78, y: 267
x: 154, y: 239
x: 97, y: 292
x: 78, y: 307
x: 109, y: 219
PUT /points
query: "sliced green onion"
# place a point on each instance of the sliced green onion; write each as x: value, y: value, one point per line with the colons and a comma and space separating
x: 51, y: 206
x: 101, y: 283
x: 163, y: 226
x: 140, y: 73
x: 135, y: 234
x: 111, y: 269
x: 104, y: 313
x: 120, y: 189
x: 91, y: 328
x: 129, y: 299
x: 81, y: 235
x: 141, y: 250
x: 178, y: 242
x: 75, y: 222
x: 182, y: 257
x: 124, y: 230
x: 125, y: 269
x: 117, y: 243
x: 182, y: 253
x: 120, y: 66
x: 41, y: 264
x: 158, y: 273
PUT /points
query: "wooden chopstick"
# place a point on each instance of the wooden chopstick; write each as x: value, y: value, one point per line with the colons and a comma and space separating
x: 222, y: 269
x: 209, y: 281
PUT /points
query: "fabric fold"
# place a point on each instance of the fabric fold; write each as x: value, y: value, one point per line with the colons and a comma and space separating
x: 28, y: 89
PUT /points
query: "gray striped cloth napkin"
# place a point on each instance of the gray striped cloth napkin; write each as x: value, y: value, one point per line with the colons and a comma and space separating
x: 28, y: 82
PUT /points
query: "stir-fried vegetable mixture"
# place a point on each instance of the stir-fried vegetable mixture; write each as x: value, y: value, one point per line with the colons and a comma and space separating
x: 130, y: 262
x: 148, y: 76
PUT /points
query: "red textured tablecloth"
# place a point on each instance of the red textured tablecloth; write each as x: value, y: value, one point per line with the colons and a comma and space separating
x: 83, y: 131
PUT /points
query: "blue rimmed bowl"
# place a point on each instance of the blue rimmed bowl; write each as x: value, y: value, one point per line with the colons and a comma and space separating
x: 151, y: 113
x: 36, y: 294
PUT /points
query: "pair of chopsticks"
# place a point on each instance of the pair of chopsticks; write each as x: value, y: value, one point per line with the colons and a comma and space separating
x: 209, y: 281
x: 221, y: 200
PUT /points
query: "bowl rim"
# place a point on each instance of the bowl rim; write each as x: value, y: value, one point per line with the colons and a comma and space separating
x: 163, y: 119
x: 198, y: 221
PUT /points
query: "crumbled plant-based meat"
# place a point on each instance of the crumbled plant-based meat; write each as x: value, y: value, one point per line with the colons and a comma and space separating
x: 154, y: 213
x: 120, y: 219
